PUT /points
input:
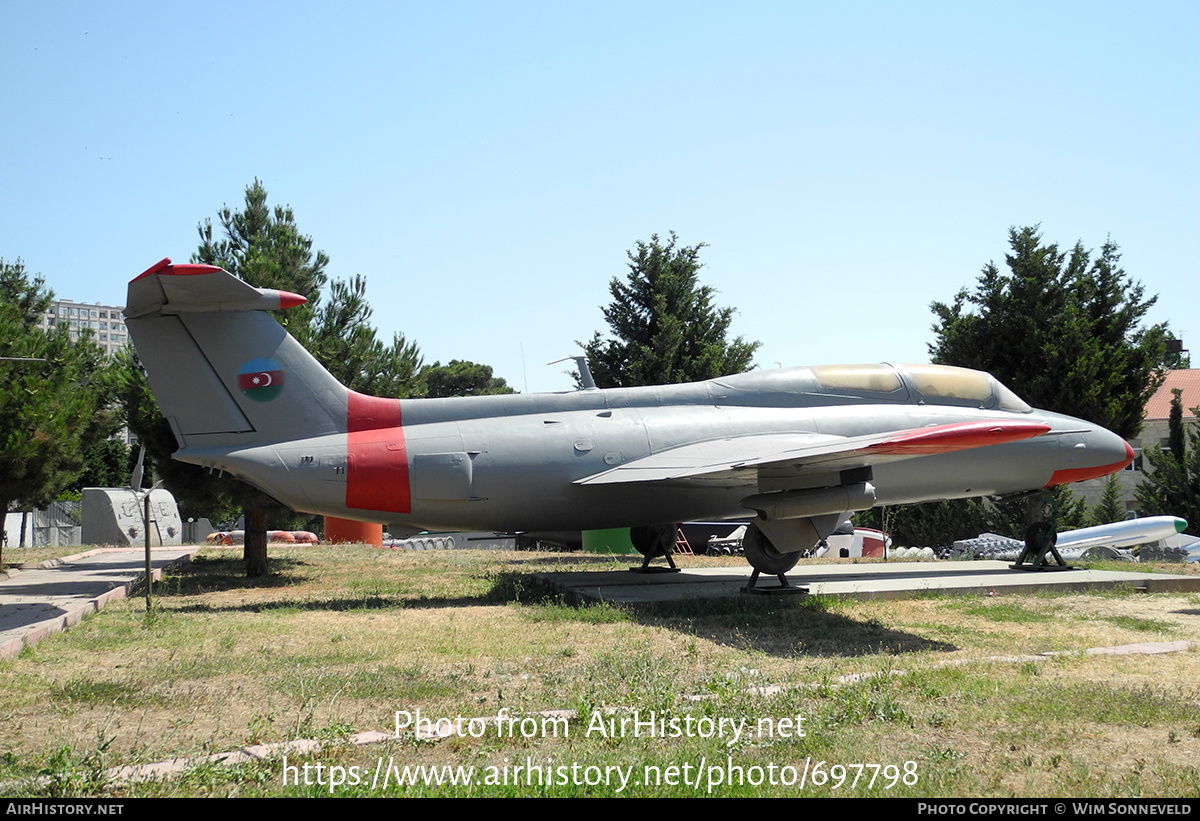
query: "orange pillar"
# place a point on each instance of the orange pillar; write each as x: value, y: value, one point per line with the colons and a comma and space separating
x: 342, y: 531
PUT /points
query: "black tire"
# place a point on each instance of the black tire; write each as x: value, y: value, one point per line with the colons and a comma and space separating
x: 646, y: 541
x: 763, y: 556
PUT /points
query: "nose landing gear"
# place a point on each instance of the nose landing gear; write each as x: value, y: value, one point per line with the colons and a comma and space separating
x: 1041, y: 536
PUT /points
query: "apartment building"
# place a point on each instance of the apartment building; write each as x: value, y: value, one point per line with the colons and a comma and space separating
x: 104, y: 321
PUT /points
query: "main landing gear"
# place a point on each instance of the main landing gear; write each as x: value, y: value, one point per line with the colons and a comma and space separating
x: 764, y: 557
x: 653, y: 541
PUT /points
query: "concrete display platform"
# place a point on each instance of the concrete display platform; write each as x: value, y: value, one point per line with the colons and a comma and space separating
x: 39, y: 601
x: 892, y: 580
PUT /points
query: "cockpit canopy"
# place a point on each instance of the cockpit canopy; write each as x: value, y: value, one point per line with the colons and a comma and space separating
x: 943, y: 384
x: 885, y: 382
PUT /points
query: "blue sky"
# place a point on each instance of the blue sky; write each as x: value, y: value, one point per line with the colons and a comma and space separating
x: 486, y: 165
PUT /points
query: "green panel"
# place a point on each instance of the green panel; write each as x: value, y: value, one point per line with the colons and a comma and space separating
x: 612, y: 540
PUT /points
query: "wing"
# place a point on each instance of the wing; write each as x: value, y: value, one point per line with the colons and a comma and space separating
x: 741, y: 459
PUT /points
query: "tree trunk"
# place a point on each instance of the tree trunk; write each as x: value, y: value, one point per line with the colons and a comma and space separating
x: 255, y: 550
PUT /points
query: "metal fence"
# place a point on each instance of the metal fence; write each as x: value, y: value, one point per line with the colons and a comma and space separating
x: 56, y: 526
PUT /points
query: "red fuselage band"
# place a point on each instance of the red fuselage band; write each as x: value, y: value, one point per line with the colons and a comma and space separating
x: 376, y: 458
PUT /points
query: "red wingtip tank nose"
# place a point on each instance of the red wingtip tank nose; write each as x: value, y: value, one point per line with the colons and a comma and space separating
x: 289, y: 300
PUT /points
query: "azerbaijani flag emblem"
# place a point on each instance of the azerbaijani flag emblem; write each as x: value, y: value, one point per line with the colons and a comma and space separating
x: 261, y: 379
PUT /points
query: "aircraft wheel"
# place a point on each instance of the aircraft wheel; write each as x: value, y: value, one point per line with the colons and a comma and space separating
x: 763, y: 556
x: 649, y: 540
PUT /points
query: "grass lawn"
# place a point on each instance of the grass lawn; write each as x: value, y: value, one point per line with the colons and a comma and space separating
x: 936, y: 696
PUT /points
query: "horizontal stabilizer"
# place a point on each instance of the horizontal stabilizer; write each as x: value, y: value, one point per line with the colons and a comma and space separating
x: 169, y: 289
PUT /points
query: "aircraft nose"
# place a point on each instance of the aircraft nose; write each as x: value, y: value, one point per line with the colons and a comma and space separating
x: 1092, y: 454
x: 1129, y: 455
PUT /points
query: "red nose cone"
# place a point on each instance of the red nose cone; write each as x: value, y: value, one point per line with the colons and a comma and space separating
x: 1063, y: 477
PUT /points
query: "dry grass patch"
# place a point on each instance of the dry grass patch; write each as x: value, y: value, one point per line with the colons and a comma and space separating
x: 337, y: 640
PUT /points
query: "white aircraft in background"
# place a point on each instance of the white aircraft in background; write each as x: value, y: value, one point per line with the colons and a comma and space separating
x: 1101, y: 541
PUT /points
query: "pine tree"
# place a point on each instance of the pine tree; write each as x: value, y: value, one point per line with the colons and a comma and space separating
x: 1066, y: 332
x: 664, y: 326
x: 54, y: 393
x: 1171, y: 486
x: 1063, y: 330
x: 1110, y: 508
x: 265, y: 247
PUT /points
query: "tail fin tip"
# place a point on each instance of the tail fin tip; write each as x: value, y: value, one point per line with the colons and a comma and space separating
x: 161, y: 265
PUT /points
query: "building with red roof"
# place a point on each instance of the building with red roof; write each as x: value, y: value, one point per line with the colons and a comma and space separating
x: 1155, y: 427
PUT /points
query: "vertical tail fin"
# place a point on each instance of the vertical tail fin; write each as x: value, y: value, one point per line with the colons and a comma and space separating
x: 224, y: 372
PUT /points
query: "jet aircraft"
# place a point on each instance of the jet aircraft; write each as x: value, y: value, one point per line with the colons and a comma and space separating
x: 800, y: 447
